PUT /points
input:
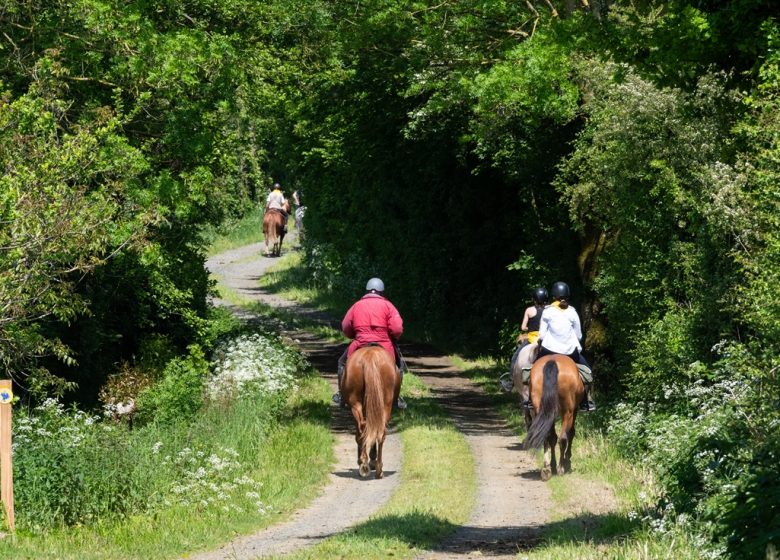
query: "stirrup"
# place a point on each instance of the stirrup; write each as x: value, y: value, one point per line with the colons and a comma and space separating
x: 336, y: 398
x: 586, y: 406
x: 528, y: 405
x: 505, y: 382
x: 400, y: 404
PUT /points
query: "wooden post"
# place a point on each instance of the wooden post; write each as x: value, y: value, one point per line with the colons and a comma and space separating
x: 6, y: 465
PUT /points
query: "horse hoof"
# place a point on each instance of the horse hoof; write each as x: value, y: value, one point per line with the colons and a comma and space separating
x: 546, y: 474
x: 364, y: 470
x: 380, y: 474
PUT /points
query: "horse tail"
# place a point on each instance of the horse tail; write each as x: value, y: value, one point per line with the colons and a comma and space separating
x: 272, y: 232
x: 548, y: 411
x: 373, y: 400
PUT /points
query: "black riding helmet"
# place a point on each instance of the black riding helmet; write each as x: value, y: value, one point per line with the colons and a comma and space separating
x: 540, y: 295
x: 560, y: 290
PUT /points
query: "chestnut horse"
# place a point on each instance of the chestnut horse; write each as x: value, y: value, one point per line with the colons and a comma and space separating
x: 556, y: 390
x: 370, y: 385
x: 273, y: 229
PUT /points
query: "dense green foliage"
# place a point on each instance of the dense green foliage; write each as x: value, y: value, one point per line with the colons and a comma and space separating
x: 463, y: 151
x: 125, y: 127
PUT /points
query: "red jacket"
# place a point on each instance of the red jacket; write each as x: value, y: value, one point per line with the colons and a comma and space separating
x: 372, y: 319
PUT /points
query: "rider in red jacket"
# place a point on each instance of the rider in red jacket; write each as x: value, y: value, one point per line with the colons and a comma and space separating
x: 372, y: 319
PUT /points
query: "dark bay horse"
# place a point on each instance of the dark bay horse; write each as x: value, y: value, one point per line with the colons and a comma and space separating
x: 370, y: 386
x: 273, y: 230
x: 556, y: 390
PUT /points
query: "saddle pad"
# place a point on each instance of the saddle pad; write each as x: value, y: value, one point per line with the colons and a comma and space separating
x: 585, y: 374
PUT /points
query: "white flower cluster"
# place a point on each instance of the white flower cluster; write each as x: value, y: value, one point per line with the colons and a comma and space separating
x: 50, y: 421
x: 211, y: 481
x: 255, y: 360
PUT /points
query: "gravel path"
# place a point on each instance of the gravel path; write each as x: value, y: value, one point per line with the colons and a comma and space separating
x: 511, y: 502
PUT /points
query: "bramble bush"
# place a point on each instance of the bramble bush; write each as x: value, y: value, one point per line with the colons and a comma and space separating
x: 196, y: 448
x: 179, y: 393
x: 712, y: 449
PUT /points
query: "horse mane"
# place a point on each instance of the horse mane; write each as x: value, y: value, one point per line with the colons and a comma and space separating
x: 548, y: 410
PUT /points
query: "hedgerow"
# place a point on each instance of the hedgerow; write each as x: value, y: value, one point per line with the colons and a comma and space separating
x: 75, y: 468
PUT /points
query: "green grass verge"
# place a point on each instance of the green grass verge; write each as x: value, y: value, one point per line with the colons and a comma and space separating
x: 280, y: 319
x: 291, y: 281
x: 234, y: 234
x: 292, y: 462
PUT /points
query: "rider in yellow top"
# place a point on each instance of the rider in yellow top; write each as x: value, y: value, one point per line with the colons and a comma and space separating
x: 533, y: 316
x: 529, y: 333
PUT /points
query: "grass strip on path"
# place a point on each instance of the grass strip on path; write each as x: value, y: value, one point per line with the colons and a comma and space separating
x: 435, y: 497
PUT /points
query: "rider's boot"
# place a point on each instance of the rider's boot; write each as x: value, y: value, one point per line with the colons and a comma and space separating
x: 526, y: 394
x: 505, y: 382
x: 336, y: 398
x: 587, y: 404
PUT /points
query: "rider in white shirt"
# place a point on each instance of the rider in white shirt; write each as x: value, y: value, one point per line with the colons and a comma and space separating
x: 560, y: 332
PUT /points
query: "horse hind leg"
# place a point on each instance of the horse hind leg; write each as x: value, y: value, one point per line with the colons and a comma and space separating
x: 363, y: 466
x: 372, y: 457
x: 360, y: 430
x: 567, y: 437
x: 564, y: 443
x: 549, y: 467
x: 380, y: 444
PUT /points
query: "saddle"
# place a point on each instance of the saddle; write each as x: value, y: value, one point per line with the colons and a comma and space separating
x: 586, y: 374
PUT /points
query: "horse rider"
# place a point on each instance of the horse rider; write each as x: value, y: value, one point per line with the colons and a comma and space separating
x: 560, y: 333
x: 373, y: 319
x: 276, y: 201
x: 529, y: 331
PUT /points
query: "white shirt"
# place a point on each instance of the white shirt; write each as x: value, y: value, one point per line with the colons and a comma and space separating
x: 275, y: 200
x: 560, y: 331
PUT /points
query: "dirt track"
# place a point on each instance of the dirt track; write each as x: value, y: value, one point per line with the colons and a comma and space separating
x: 511, y: 500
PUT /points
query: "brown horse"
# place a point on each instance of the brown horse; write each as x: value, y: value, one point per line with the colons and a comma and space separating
x: 273, y: 229
x: 370, y: 385
x: 556, y: 390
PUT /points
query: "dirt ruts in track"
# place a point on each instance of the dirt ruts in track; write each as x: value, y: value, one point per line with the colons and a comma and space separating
x: 511, y: 502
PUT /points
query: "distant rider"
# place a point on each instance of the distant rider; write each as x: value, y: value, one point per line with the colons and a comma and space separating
x: 372, y: 319
x: 276, y: 201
